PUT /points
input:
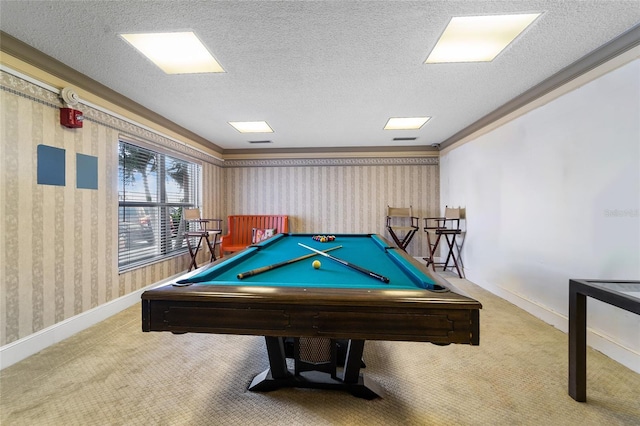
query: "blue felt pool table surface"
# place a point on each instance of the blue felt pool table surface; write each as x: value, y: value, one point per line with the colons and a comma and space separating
x: 368, y: 251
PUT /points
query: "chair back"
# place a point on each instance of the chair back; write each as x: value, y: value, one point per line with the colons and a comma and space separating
x: 241, y: 226
x: 452, y: 213
x: 194, y: 223
x: 401, y: 218
x: 399, y: 211
x: 190, y: 218
x: 191, y: 214
x: 452, y: 216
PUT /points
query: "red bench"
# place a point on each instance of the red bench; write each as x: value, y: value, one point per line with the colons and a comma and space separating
x: 240, y: 229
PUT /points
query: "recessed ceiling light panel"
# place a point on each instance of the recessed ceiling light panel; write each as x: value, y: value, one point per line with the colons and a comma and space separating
x: 406, y: 123
x: 251, y: 126
x: 175, y: 53
x: 478, y: 38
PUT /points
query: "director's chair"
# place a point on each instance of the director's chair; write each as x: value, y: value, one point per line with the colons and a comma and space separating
x: 402, y: 225
x: 449, y: 227
x: 196, y: 230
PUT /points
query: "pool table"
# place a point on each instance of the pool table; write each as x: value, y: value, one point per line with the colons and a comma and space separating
x: 324, y: 310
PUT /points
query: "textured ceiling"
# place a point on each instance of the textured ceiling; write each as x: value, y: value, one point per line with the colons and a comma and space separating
x: 322, y: 74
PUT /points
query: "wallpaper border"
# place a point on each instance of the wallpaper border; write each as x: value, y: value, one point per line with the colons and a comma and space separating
x: 315, y: 162
x: 20, y: 87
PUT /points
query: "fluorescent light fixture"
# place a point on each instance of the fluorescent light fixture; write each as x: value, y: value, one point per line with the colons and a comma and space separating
x: 175, y: 53
x: 478, y: 38
x: 406, y: 123
x: 251, y: 126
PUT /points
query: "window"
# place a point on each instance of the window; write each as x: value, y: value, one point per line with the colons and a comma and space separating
x: 153, y: 188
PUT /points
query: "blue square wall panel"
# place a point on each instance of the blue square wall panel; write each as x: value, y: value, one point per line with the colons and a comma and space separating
x: 86, y: 171
x: 51, y: 165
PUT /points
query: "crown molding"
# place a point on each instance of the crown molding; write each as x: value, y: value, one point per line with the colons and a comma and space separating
x: 616, y: 47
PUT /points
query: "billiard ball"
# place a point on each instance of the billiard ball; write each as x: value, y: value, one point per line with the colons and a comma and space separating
x: 316, y: 264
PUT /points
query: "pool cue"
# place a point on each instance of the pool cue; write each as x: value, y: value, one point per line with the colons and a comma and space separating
x: 350, y: 265
x: 277, y: 265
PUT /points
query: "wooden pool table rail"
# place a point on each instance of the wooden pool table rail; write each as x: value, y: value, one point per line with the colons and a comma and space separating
x: 252, y: 316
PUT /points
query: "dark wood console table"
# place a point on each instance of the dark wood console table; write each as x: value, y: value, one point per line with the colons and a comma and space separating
x: 623, y: 294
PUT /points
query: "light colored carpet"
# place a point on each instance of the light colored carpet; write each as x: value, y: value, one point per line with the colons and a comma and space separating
x: 113, y: 374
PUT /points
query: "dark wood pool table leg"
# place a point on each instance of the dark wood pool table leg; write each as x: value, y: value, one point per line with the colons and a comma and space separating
x: 279, y: 376
x: 352, y: 362
x: 357, y: 383
x: 277, y: 358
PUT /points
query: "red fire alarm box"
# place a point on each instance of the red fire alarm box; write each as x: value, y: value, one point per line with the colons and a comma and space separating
x: 71, y: 117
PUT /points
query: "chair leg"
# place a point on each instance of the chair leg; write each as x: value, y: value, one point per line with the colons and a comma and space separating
x: 193, y: 253
x: 212, y: 246
x: 394, y: 237
x: 432, y: 249
x: 451, y: 243
x: 407, y: 239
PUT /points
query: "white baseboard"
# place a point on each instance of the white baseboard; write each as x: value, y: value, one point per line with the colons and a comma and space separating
x: 619, y: 353
x: 34, y: 343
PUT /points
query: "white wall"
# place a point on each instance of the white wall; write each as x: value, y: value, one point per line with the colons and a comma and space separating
x: 555, y: 194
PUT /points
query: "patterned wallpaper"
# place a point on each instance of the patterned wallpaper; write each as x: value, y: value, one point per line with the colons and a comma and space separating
x: 58, y: 246
x: 339, y: 196
x: 59, y: 253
